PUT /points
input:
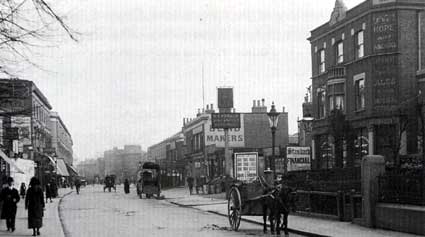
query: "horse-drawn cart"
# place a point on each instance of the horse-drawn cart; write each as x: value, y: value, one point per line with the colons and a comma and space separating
x: 260, y: 198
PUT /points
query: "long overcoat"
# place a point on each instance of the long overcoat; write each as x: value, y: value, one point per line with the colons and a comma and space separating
x: 126, y: 186
x: 34, y: 201
x: 10, y: 198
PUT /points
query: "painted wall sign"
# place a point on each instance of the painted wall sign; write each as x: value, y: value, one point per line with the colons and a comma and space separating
x: 299, y: 158
x: 385, y: 84
x: 384, y: 29
x: 246, y: 166
x: 213, y: 136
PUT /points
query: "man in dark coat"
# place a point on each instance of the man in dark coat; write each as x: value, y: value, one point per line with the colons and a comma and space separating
x: 10, y: 197
x: 49, y: 192
x: 34, y: 202
x: 190, y: 184
x: 126, y: 186
x: 77, y: 185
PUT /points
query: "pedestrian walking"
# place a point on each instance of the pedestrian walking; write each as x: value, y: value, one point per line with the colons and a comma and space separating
x: 190, y: 184
x: 22, y: 190
x: 34, y: 203
x: 49, y: 192
x: 10, y: 197
x: 77, y: 185
x: 54, y: 188
x: 126, y: 186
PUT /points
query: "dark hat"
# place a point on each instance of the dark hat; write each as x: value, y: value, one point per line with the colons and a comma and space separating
x: 9, y: 180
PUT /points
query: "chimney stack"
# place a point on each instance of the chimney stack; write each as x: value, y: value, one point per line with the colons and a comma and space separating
x: 283, y: 109
x: 208, y: 107
x: 258, y: 103
x: 253, y: 103
x: 212, y: 107
x: 263, y: 100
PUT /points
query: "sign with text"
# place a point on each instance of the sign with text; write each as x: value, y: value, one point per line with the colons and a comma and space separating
x: 225, y: 98
x: 384, y: 29
x: 299, y: 158
x: 226, y: 120
x: 385, y: 83
x: 246, y: 166
x: 23, y: 125
x: 215, y: 136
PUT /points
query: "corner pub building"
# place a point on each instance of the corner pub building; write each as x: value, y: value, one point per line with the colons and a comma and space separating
x: 367, y: 66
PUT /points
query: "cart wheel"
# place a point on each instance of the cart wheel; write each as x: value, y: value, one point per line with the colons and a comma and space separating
x: 234, y: 208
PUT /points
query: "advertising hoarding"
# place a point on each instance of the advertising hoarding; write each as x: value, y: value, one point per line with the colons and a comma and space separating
x: 226, y: 120
x: 246, y: 166
x: 23, y: 124
x: 215, y: 136
x: 225, y: 98
x: 298, y: 158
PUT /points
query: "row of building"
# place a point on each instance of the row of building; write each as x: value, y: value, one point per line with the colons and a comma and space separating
x: 34, y: 140
x: 198, y: 150
x: 368, y: 71
x: 123, y: 163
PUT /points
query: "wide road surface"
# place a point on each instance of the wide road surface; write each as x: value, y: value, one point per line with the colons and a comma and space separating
x: 95, y: 213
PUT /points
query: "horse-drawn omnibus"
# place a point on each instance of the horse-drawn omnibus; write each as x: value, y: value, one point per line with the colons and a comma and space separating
x: 148, y: 180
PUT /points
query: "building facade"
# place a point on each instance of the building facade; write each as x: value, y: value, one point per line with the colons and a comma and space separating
x: 26, y: 134
x: 61, y: 139
x: 366, y: 63
x: 205, y: 145
x: 123, y: 163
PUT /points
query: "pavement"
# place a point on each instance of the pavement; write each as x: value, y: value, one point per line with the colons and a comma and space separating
x: 51, y: 222
x: 309, y: 226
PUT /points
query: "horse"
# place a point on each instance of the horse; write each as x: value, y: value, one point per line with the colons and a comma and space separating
x: 277, y: 203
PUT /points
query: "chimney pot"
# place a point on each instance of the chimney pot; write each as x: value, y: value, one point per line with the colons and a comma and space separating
x: 258, y: 103
x: 253, y: 103
x: 208, y: 107
x: 212, y: 107
x: 283, y: 109
x: 263, y: 100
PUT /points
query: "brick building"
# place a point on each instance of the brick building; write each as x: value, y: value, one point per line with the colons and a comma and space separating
x: 205, y: 145
x: 366, y: 64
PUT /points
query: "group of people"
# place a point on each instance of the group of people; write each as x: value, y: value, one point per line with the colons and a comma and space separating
x: 34, y: 203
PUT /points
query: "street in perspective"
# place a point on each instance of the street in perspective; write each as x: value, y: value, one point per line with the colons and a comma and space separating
x: 212, y: 118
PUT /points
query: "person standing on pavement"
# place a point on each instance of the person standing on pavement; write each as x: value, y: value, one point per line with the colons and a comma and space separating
x: 10, y: 197
x: 126, y: 186
x: 22, y: 190
x: 34, y: 203
x: 77, y: 185
x: 190, y: 184
x: 49, y: 192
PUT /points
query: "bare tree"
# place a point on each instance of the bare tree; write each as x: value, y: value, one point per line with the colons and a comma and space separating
x: 25, y: 24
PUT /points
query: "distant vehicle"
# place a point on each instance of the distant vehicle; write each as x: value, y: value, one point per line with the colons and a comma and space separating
x: 148, y: 180
x: 109, y: 183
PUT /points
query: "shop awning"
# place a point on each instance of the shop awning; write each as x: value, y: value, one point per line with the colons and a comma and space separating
x: 61, y: 168
x: 10, y: 162
x: 72, y: 171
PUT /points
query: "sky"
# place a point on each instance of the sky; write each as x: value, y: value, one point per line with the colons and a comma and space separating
x: 136, y: 70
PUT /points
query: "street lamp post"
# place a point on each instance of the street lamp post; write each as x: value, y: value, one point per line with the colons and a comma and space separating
x: 273, y: 119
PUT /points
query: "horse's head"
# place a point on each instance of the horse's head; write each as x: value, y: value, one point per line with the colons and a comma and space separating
x: 287, y: 195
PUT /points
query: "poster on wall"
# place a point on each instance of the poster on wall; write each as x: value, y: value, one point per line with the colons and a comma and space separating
x: 246, y: 166
x: 298, y: 158
x: 24, y: 129
x: 385, y: 84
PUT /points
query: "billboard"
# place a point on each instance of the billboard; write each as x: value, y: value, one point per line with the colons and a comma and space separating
x: 23, y: 124
x: 385, y: 33
x: 298, y: 158
x: 246, y: 166
x: 215, y: 136
x: 226, y: 120
x: 225, y: 98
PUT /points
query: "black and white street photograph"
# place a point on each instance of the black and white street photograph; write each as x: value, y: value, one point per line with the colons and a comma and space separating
x: 212, y: 118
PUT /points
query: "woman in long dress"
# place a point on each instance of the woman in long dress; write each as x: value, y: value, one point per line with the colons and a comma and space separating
x: 34, y: 202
